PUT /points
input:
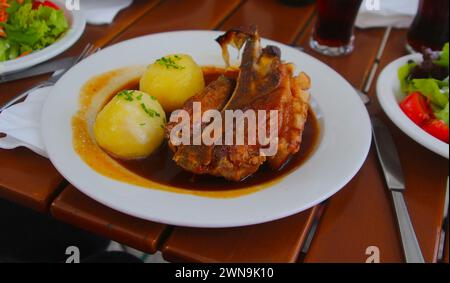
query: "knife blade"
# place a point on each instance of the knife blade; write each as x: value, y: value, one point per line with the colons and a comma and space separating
x: 393, y: 173
x: 44, y: 68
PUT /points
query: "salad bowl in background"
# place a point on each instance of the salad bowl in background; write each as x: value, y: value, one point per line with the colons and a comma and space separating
x: 77, y: 24
x: 390, y: 96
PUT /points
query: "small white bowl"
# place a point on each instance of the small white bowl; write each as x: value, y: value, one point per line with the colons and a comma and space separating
x: 77, y: 24
x: 390, y: 95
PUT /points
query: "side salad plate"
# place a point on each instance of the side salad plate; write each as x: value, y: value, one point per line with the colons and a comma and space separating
x: 32, y: 32
x: 413, y: 91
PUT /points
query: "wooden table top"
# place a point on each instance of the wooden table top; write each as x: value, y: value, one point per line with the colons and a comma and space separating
x: 358, y: 217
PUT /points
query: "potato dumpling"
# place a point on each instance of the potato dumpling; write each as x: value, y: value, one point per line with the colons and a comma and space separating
x: 173, y: 80
x: 131, y: 125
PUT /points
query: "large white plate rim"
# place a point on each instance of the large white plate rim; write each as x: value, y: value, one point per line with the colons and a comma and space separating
x: 205, y: 212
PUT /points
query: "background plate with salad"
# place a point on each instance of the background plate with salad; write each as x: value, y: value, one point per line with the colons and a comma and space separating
x: 34, y: 31
x: 414, y: 93
x: 425, y: 85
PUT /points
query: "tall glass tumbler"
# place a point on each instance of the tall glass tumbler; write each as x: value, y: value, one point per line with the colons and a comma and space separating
x: 334, y: 31
x: 430, y: 26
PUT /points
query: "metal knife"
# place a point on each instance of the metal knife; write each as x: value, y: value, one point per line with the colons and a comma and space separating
x: 44, y: 68
x: 388, y: 156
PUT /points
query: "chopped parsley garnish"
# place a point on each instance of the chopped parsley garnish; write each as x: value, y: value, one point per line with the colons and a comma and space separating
x: 142, y: 124
x: 169, y: 62
x: 139, y: 97
x: 152, y: 113
x: 126, y: 94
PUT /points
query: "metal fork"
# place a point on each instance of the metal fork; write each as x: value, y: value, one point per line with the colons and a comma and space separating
x: 87, y: 51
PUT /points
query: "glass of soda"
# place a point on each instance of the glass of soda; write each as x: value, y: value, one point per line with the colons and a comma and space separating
x: 334, y: 31
x: 430, y: 26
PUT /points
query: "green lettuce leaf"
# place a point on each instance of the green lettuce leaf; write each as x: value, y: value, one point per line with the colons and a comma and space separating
x: 403, y: 76
x: 436, y: 91
x: 14, y: 6
x: 443, y: 61
x: 31, y: 30
x: 443, y: 114
x: 3, y: 50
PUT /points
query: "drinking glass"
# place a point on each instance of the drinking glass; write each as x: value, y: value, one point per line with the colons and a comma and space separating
x: 334, y: 31
x: 430, y: 26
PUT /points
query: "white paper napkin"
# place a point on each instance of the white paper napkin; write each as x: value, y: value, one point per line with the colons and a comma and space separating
x: 99, y: 12
x: 22, y: 123
x: 384, y: 13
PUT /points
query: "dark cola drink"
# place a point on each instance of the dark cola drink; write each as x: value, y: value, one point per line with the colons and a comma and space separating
x: 334, y: 31
x: 430, y: 26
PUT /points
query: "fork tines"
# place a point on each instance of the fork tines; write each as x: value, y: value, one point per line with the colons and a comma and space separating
x: 87, y: 51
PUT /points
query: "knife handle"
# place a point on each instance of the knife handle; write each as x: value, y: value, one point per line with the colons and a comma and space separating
x: 410, y: 244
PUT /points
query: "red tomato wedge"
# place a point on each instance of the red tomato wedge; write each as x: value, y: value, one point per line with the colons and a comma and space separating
x: 417, y: 108
x: 437, y: 129
x: 50, y: 4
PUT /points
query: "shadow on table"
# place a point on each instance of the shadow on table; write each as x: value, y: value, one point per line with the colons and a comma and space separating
x: 27, y: 236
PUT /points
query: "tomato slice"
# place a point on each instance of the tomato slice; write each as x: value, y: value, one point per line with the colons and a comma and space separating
x: 438, y: 129
x: 50, y: 4
x: 416, y: 107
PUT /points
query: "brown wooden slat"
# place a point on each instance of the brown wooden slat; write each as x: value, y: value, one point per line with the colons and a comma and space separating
x: 361, y: 215
x: 278, y: 241
x: 355, y: 67
x: 426, y: 178
x: 25, y: 177
x: 102, y: 35
x: 275, y: 21
x: 28, y: 179
x: 124, y: 20
x: 181, y: 15
x: 351, y: 222
x: 77, y: 209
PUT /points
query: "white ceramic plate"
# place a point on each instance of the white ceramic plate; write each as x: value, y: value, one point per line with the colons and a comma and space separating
x: 343, y: 147
x: 390, y: 96
x: 77, y: 25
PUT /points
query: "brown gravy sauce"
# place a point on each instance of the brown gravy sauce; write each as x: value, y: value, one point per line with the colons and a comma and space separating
x: 159, y: 171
